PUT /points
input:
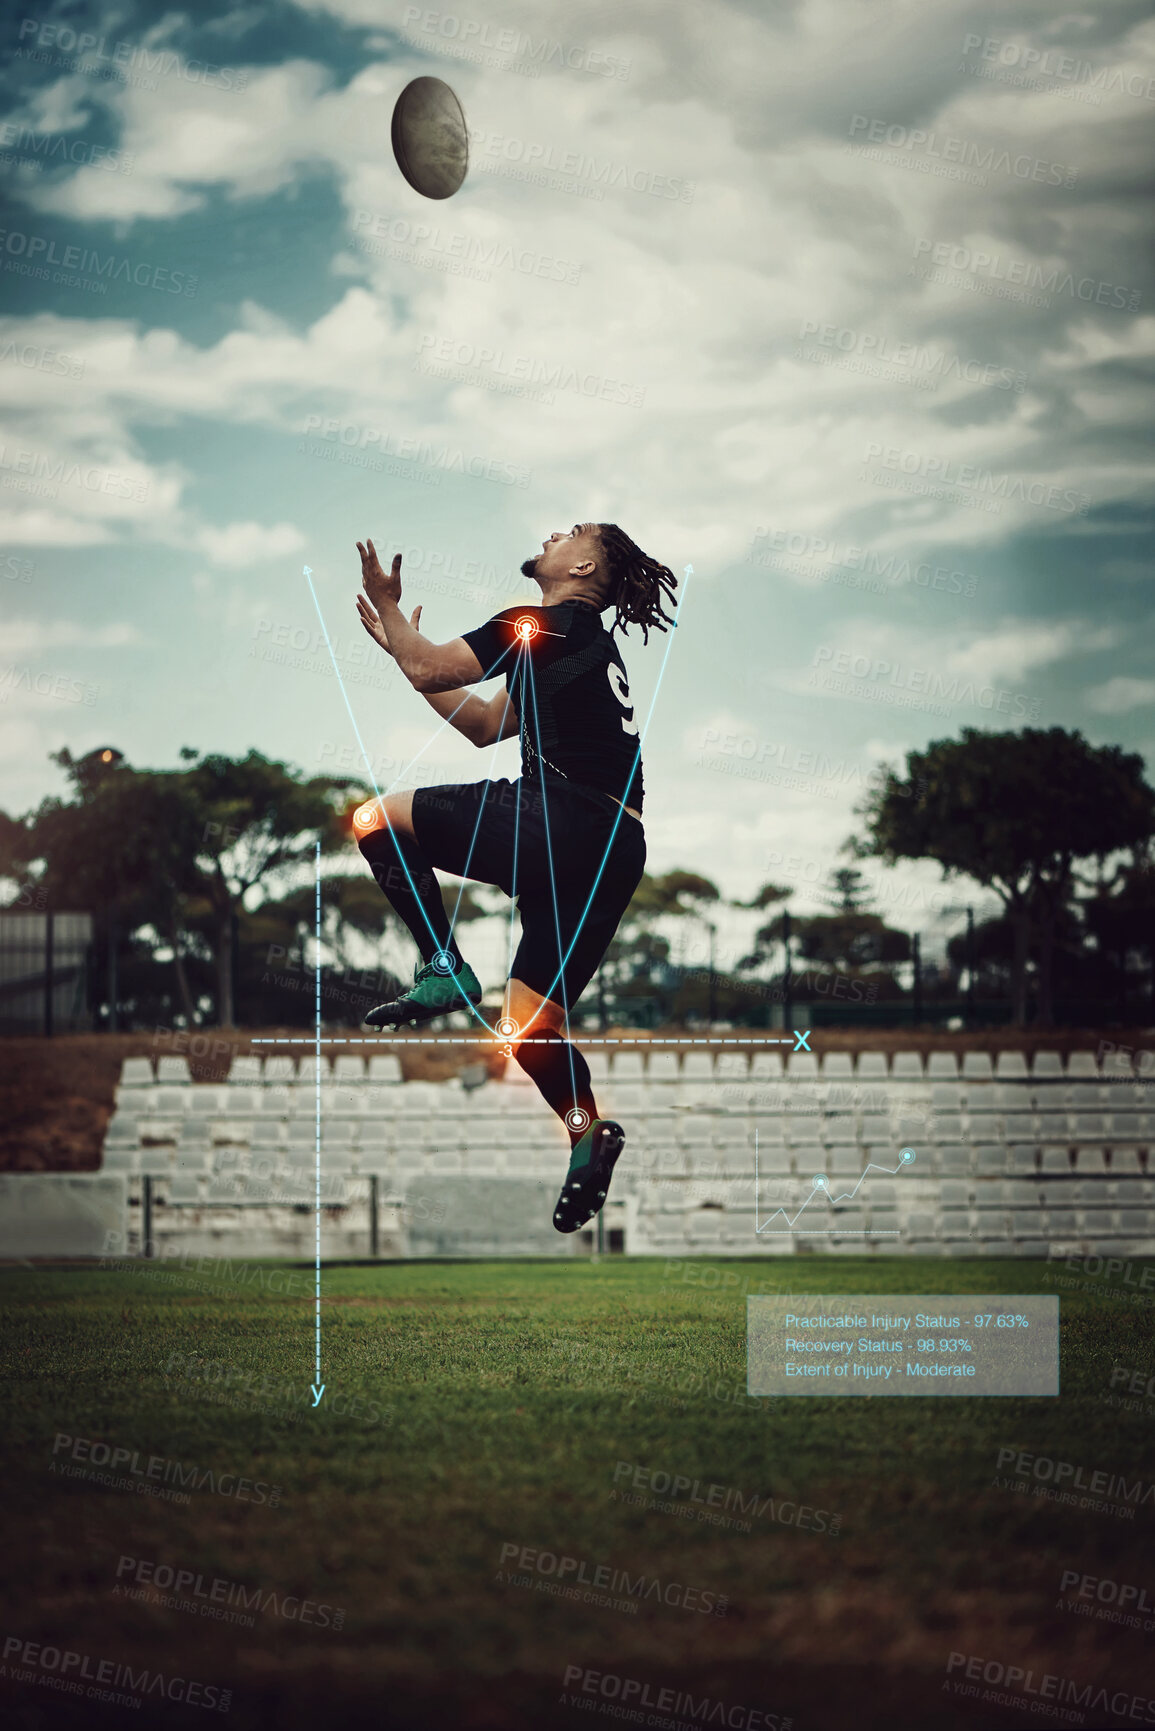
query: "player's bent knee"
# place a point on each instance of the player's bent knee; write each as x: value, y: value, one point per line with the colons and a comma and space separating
x: 381, y: 815
x: 528, y: 1016
x: 368, y: 818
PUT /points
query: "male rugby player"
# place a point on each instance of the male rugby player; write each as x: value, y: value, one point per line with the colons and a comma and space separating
x: 566, y: 839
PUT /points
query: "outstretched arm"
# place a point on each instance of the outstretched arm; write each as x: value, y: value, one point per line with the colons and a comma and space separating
x: 429, y: 667
x: 481, y: 721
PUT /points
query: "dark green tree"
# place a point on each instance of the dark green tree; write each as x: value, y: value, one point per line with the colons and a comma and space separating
x: 1016, y: 812
x: 259, y: 825
x: 177, y: 851
x: 847, y: 891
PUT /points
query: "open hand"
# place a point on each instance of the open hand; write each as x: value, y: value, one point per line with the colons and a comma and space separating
x: 380, y: 589
x: 372, y: 623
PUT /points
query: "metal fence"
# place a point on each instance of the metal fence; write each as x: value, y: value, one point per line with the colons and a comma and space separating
x: 44, y: 972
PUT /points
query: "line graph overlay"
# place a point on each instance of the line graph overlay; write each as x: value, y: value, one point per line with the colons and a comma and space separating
x: 821, y: 1187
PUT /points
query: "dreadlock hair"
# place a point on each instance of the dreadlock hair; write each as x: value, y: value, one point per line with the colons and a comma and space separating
x: 638, y: 584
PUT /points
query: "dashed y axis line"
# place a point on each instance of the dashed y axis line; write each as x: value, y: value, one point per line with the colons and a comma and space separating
x: 318, y: 1388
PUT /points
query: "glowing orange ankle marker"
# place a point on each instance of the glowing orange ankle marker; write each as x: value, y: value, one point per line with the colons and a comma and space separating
x: 508, y: 1028
x: 368, y: 817
x: 578, y: 1119
x: 526, y: 628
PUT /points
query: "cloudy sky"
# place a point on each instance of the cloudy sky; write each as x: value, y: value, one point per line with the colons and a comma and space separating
x: 845, y: 304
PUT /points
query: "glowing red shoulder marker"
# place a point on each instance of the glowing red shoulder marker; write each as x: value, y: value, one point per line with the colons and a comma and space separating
x: 526, y: 628
x: 368, y: 817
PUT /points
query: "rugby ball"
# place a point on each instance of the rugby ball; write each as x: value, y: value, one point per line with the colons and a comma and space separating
x: 430, y: 141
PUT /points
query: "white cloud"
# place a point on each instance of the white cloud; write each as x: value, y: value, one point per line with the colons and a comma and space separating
x: 882, y: 651
x: 699, y: 303
x: 1120, y: 695
x: 240, y: 544
x: 695, y: 303
x: 29, y: 636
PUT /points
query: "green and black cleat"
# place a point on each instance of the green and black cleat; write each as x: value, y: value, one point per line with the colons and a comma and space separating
x: 436, y: 991
x: 587, y: 1182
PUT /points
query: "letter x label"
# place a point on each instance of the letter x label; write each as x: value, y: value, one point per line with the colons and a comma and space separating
x: 801, y: 1036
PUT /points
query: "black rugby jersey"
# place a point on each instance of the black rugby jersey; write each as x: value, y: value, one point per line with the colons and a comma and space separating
x: 568, y: 685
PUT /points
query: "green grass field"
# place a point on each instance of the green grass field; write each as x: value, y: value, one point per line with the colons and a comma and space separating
x: 471, y: 1407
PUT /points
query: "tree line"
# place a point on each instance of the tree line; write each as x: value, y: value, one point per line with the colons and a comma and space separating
x: 204, y: 872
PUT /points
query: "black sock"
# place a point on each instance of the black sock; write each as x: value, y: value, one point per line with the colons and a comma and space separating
x: 395, y: 860
x: 562, y: 1078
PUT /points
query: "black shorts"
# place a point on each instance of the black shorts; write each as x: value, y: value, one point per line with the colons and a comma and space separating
x: 471, y: 828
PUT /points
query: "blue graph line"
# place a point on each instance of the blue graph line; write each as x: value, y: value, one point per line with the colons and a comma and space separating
x: 906, y: 1158
x: 552, y: 877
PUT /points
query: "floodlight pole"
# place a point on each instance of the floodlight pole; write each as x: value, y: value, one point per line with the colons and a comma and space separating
x: 49, y: 968
x: 916, y: 980
x: 113, y: 986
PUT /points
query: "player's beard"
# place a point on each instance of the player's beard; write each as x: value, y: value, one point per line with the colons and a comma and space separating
x: 529, y: 567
